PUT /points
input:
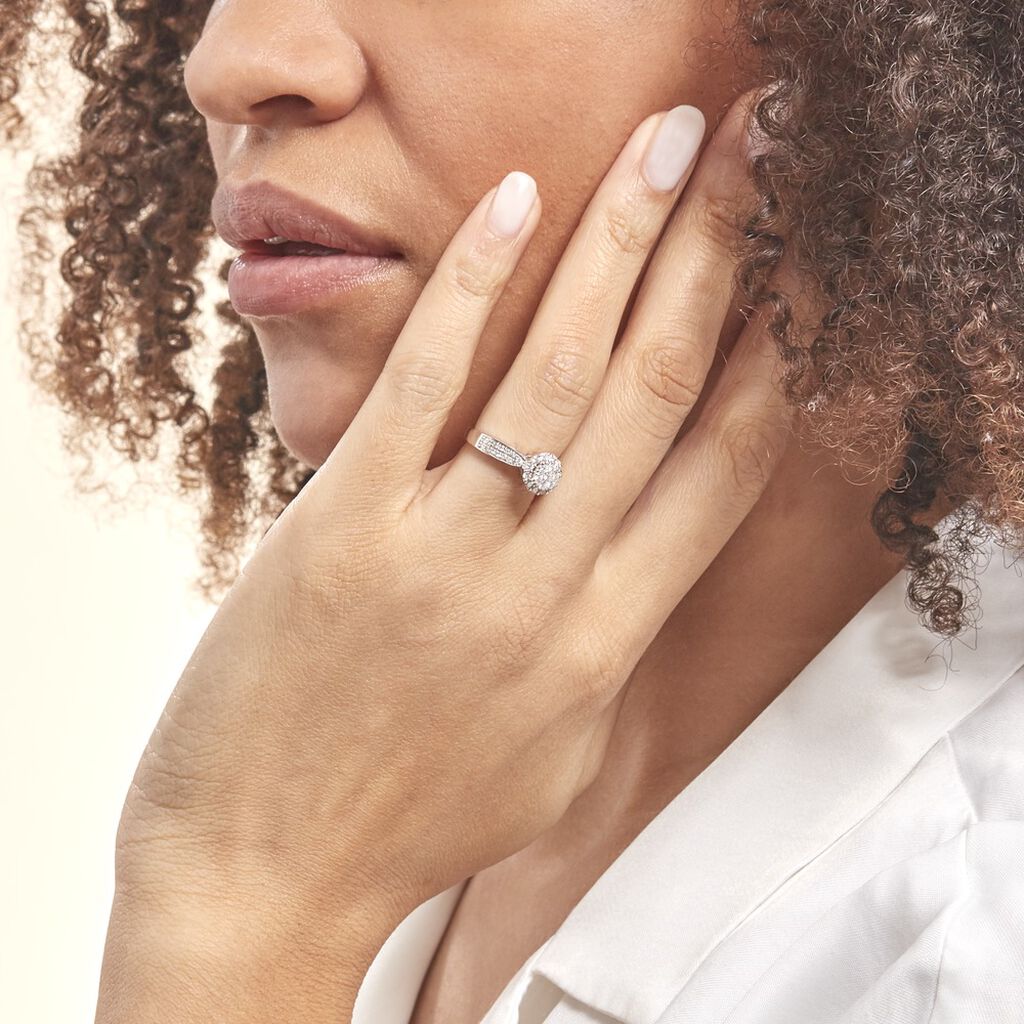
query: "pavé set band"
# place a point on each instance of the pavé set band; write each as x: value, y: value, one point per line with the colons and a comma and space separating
x: 541, y: 472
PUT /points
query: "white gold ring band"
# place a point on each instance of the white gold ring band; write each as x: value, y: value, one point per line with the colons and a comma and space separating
x: 541, y: 471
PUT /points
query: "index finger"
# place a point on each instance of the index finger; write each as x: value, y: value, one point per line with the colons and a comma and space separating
x: 389, y: 442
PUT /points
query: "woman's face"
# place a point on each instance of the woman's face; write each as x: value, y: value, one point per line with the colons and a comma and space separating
x: 400, y: 115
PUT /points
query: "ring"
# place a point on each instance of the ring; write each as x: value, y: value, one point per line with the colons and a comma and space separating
x: 541, y: 472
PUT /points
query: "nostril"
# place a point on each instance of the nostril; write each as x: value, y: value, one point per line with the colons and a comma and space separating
x: 288, y: 102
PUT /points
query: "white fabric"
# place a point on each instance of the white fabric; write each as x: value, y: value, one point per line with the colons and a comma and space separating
x: 854, y: 856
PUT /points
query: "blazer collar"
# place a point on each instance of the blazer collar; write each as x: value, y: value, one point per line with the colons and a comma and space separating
x: 826, y: 751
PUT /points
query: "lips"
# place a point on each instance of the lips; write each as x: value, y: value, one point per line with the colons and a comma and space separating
x: 249, y: 215
x: 296, y: 255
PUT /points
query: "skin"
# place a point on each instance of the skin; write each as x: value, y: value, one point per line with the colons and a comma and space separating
x: 406, y: 125
x: 766, y: 540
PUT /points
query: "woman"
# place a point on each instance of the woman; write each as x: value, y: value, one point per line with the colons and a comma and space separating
x: 655, y: 729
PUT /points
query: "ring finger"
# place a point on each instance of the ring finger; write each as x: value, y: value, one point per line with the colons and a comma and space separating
x: 658, y: 371
x: 546, y: 393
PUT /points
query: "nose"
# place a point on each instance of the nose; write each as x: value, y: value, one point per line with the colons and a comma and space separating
x: 262, y: 62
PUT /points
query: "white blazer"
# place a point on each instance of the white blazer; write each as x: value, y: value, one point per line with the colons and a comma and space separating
x: 854, y: 856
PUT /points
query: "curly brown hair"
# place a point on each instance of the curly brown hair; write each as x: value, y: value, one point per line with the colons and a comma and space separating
x: 896, y: 129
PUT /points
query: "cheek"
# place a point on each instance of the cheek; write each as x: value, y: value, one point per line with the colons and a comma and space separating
x: 551, y: 87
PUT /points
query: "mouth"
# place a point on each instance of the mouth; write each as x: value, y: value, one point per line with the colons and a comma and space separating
x: 280, y: 246
x: 295, y: 254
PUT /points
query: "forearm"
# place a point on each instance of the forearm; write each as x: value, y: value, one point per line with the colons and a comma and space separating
x: 186, y: 962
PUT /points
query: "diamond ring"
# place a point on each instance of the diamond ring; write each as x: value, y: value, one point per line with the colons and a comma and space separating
x: 541, y: 472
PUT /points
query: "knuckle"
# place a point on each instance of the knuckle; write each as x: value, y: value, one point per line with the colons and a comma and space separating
x: 575, y: 327
x: 628, y: 230
x: 750, y: 448
x: 565, y: 382
x: 718, y: 219
x: 475, y: 275
x: 426, y: 383
x: 670, y: 375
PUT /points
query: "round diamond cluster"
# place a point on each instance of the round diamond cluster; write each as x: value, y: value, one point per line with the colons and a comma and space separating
x: 542, y: 472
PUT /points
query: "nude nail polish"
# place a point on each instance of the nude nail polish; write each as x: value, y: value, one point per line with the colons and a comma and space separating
x: 511, y: 204
x: 673, y: 148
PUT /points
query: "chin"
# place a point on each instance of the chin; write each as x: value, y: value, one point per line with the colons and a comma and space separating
x: 309, y: 440
x: 312, y: 411
x: 318, y: 376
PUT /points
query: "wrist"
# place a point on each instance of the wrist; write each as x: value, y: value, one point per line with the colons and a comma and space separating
x: 199, y: 954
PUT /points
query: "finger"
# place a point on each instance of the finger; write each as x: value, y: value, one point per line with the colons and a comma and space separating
x: 658, y: 371
x: 548, y: 389
x: 705, y: 487
x: 388, y: 445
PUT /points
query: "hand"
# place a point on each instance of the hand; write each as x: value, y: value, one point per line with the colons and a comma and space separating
x: 418, y: 671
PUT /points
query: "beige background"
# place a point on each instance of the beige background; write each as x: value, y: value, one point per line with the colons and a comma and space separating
x: 98, y: 620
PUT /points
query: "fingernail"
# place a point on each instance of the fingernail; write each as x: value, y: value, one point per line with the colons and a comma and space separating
x: 675, y: 144
x: 511, y: 204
